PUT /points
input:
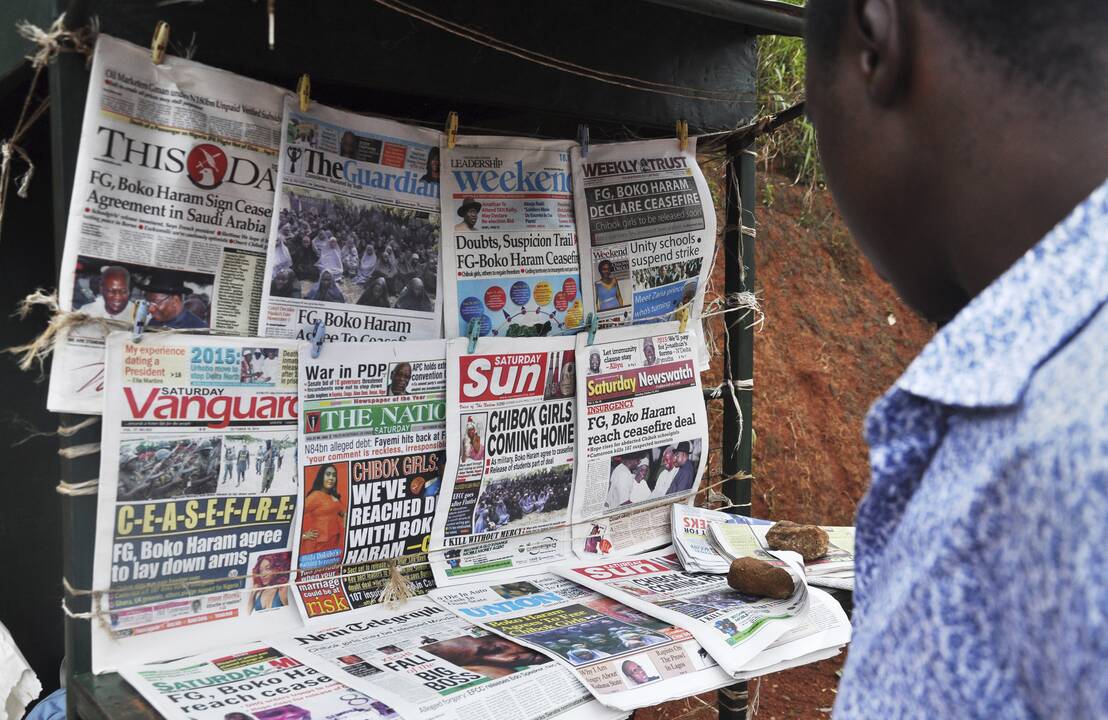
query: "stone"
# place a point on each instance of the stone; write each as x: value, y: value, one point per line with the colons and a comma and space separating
x: 752, y: 576
x: 808, y: 540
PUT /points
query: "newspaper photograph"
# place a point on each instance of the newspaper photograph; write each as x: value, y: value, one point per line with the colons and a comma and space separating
x: 510, y: 458
x: 197, y: 495
x: 511, y: 261
x: 627, y: 659
x: 251, y: 681
x: 734, y: 628
x: 172, y: 198
x: 643, y: 443
x: 372, y: 452
x: 442, y: 667
x: 355, y: 244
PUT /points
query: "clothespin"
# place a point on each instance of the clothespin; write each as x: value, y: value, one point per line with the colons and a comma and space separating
x: 594, y: 323
x: 583, y: 139
x: 141, y: 317
x: 304, y: 92
x: 319, y: 332
x: 473, y: 332
x: 271, y: 11
x: 451, y: 130
x: 683, y: 135
x: 160, y: 42
x: 683, y: 317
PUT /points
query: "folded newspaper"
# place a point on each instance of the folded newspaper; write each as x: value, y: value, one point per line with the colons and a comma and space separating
x: 730, y: 540
x: 690, y: 537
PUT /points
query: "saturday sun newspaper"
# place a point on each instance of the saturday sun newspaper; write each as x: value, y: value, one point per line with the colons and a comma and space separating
x: 510, y: 261
x: 372, y: 454
x: 627, y: 659
x: 355, y: 244
x: 197, y: 495
x: 443, y: 667
x: 643, y: 443
x: 172, y: 197
x: 510, y: 457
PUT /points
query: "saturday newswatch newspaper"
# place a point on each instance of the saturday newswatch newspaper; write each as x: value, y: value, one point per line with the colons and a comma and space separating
x: 197, y: 495
x: 625, y: 658
x: 355, y: 241
x: 432, y: 665
x: 372, y: 454
x: 510, y: 423
x: 643, y: 439
x: 172, y: 197
x: 510, y: 252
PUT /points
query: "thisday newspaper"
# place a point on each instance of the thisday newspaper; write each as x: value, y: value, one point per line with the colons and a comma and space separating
x: 172, y: 197
x: 197, y: 496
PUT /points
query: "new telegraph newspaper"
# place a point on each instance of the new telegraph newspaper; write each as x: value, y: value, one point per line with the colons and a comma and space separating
x: 643, y: 443
x: 372, y: 454
x: 510, y: 422
x: 625, y: 658
x: 355, y: 244
x: 197, y: 495
x: 511, y: 259
x: 172, y: 197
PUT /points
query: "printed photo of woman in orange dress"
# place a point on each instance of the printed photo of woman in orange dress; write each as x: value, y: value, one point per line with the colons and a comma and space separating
x: 324, y: 514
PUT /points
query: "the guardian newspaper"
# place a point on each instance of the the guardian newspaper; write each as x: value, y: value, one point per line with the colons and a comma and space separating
x: 355, y: 242
x: 171, y: 203
x: 510, y: 244
x: 372, y: 451
x: 197, y: 495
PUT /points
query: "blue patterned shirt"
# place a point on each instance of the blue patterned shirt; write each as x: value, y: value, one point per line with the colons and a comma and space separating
x: 982, y: 543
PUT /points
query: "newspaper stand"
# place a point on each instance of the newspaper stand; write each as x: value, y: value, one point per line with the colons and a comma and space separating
x: 380, y: 58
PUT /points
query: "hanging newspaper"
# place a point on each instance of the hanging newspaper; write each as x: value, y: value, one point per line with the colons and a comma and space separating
x: 443, y: 667
x: 355, y: 244
x: 644, y: 439
x: 172, y: 197
x: 511, y: 262
x: 372, y: 450
x: 250, y: 682
x: 626, y: 659
x: 509, y: 458
x: 197, y: 495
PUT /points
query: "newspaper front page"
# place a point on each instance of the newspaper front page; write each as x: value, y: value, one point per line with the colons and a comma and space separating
x: 443, y: 667
x: 626, y: 659
x: 644, y: 436
x: 197, y: 495
x: 372, y: 453
x: 172, y: 198
x: 510, y: 458
x: 250, y: 682
x: 511, y: 261
x: 355, y: 243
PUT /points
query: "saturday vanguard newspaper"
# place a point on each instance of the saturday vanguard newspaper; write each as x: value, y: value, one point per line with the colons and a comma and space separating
x: 355, y: 244
x: 511, y: 260
x: 197, y: 495
x: 510, y: 423
x: 172, y: 198
x: 372, y: 452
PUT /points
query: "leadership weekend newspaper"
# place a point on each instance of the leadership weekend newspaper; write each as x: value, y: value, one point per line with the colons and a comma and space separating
x: 643, y: 443
x: 626, y: 659
x: 510, y: 424
x: 511, y: 261
x: 443, y: 667
x: 355, y: 244
x: 172, y: 197
x: 197, y: 495
x: 372, y: 454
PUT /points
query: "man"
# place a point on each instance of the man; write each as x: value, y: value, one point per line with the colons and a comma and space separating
x: 982, y: 581
x: 228, y: 463
x: 665, y: 478
x: 468, y: 211
x: 622, y: 481
x: 640, y: 491
x: 685, y: 476
x: 114, y: 299
x: 401, y: 376
x: 166, y: 296
x: 650, y: 357
x: 414, y: 297
x: 635, y: 673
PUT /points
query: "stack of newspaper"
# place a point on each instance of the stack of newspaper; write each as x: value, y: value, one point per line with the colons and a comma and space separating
x: 691, y: 538
x: 732, y: 540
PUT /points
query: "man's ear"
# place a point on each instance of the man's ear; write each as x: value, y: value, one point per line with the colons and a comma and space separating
x: 881, y: 41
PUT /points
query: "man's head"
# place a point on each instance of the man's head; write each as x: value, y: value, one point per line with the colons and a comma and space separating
x: 415, y: 287
x: 468, y: 210
x: 401, y: 375
x: 166, y: 296
x: 668, y: 459
x: 648, y: 351
x: 634, y: 672
x: 115, y: 288
x: 681, y: 453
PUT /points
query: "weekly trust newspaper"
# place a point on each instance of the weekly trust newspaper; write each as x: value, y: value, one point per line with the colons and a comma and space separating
x: 355, y: 243
x: 510, y: 252
x: 372, y: 454
x: 627, y: 659
x: 442, y: 667
x: 250, y: 681
x: 197, y: 495
x: 644, y: 436
x: 172, y: 198
x: 510, y: 420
